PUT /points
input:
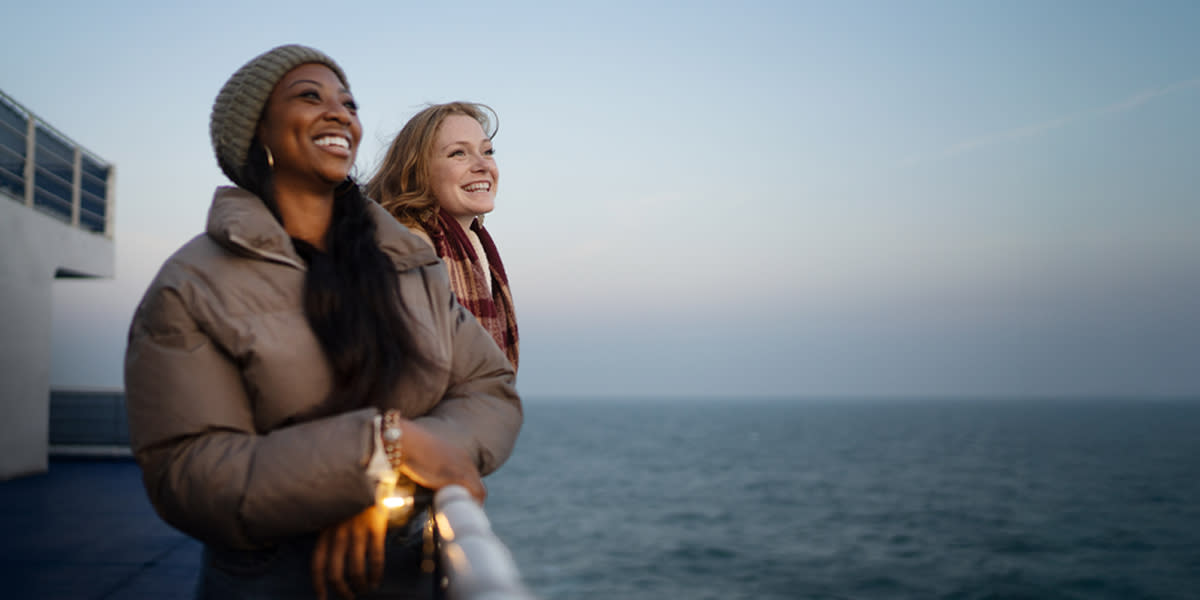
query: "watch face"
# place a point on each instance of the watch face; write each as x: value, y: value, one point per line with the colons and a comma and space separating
x: 391, y: 434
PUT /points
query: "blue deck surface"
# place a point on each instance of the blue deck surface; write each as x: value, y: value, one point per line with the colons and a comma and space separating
x: 84, y: 530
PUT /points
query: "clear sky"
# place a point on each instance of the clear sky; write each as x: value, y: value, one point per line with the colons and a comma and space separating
x: 765, y: 198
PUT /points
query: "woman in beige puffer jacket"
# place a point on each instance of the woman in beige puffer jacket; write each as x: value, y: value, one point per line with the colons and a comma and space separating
x: 287, y: 365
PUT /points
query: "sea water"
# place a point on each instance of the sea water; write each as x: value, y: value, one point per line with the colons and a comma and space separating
x: 852, y: 498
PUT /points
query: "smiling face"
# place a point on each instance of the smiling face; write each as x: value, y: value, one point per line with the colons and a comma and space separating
x: 463, y: 175
x: 311, y: 128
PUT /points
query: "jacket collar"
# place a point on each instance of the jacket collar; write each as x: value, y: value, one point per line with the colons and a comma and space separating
x: 404, y: 247
x: 240, y: 222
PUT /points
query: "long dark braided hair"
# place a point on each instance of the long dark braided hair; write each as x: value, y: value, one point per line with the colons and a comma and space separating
x: 351, y: 296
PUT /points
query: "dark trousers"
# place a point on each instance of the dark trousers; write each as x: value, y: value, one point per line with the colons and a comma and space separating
x: 285, y: 571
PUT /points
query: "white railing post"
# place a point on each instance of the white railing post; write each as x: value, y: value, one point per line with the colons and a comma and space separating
x: 110, y: 188
x: 76, y: 185
x: 30, y: 162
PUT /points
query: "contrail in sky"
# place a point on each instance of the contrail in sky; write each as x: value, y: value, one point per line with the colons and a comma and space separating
x: 1029, y: 131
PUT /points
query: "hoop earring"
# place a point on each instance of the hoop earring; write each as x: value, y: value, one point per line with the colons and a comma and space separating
x: 270, y: 158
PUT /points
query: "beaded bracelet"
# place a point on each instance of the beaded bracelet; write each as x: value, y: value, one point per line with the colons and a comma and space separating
x: 392, y: 435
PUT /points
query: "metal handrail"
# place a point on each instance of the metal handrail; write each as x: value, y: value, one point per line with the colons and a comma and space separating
x: 38, y: 161
x: 475, y: 563
x: 12, y: 102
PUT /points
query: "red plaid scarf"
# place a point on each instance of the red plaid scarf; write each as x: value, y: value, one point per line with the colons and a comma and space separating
x: 493, y: 308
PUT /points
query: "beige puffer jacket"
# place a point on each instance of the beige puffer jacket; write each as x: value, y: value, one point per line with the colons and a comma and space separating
x: 221, y: 360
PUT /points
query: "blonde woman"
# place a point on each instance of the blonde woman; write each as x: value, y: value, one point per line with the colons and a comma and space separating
x: 439, y: 178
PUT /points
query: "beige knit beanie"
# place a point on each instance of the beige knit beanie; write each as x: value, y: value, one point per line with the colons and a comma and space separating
x: 240, y: 103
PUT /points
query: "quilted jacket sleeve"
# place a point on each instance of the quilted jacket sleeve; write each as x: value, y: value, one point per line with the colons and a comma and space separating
x: 205, y: 468
x: 480, y: 410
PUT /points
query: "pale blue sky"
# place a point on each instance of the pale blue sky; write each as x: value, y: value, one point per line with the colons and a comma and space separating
x: 786, y: 198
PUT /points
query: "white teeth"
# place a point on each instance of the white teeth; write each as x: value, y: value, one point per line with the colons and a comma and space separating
x: 333, y: 140
x: 478, y: 187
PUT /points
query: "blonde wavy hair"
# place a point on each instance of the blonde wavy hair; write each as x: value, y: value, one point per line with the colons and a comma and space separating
x: 401, y: 185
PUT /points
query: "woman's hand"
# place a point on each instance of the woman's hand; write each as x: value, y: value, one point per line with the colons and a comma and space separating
x: 347, y: 549
x: 432, y: 463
